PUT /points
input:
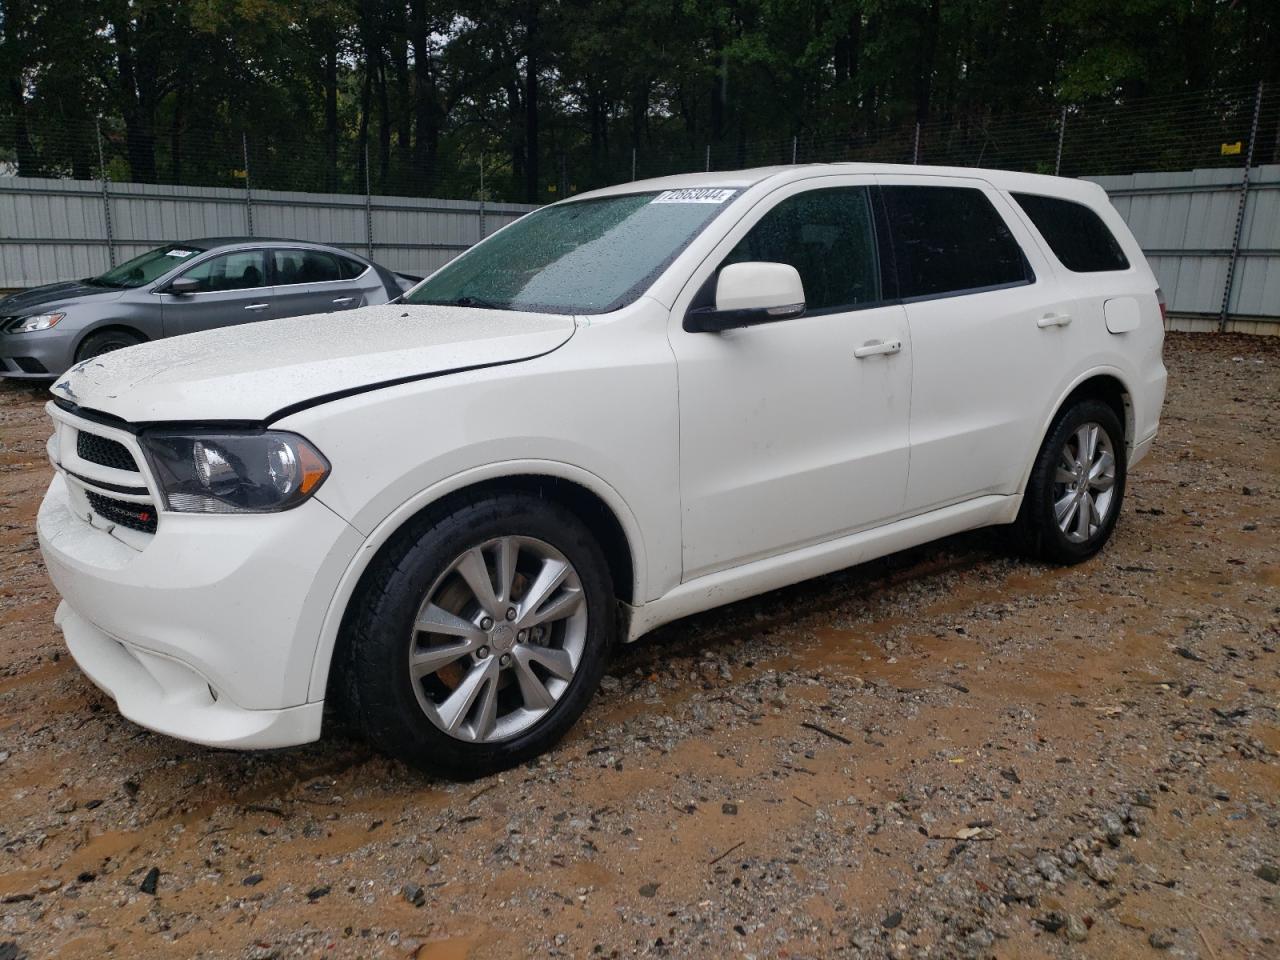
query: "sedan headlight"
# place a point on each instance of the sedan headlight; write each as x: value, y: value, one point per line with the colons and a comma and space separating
x: 41, y: 321
x: 259, y: 472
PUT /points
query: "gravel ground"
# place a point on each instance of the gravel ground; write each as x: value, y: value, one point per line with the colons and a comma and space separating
x: 948, y: 753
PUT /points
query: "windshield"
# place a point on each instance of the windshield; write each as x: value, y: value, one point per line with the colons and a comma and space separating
x: 588, y: 256
x: 142, y: 270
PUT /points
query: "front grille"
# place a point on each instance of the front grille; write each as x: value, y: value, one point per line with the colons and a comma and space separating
x: 105, y: 452
x: 135, y: 516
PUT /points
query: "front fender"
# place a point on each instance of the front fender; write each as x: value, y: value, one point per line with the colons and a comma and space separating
x: 382, y: 531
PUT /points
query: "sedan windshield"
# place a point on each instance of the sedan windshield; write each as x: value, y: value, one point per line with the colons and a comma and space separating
x: 588, y: 256
x: 142, y: 270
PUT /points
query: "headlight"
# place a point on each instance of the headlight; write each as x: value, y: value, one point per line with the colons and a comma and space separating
x: 41, y: 321
x: 260, y: 472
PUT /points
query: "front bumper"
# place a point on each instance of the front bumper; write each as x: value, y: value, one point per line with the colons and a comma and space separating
x: 169, y: 697
x: 54, y: 350
x: 208, y: 631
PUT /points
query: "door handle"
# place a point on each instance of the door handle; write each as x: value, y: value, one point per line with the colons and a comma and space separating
x: 1053, y: 320
x: 257, y: 306
x: 873, y: 348
x: 343, y: 299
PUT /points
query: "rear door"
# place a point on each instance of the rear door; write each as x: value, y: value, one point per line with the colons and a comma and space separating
x: 314, y: 281
x: 794, y: 432
x: 990, y: 329
x: 233, y: 289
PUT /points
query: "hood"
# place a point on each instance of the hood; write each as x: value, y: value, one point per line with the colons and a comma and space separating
x: 256, y: 371
x: 52, y: 296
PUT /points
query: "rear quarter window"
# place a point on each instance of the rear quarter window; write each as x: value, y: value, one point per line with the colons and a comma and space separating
x: 1076, y: 235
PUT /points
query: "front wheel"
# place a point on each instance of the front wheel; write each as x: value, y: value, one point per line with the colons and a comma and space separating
x: 105, y: 341
x: 1076, y: 487
x: 479, y: 637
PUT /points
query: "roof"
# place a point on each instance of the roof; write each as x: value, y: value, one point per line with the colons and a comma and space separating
x: 741, y: 179
x: 215, y: 243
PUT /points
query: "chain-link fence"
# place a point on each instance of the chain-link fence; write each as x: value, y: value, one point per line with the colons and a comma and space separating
x: 1195, y: 129
x: 118, y: 190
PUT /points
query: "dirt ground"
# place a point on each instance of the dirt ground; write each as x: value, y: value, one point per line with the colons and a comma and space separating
x: 946, y: 753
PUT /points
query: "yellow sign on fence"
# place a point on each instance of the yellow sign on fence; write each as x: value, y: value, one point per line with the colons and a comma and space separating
x: 1231, y: 149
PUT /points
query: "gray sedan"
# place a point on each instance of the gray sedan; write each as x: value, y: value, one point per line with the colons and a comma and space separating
x: 182, y: 288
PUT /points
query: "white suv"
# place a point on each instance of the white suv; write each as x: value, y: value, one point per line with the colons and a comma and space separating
x: 440, y: 514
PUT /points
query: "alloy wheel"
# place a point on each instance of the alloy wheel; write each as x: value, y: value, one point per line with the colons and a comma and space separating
x: 1084, y: 483
x: 498, y: 639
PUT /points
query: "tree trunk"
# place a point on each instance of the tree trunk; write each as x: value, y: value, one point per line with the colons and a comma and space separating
x: 138, y: 85
x: 331, y: 110
x: 426, y: 110
x: 928, y: 58
x: 531, y: 67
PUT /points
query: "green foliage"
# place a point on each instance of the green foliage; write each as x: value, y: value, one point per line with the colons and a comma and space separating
x: 431, y: 90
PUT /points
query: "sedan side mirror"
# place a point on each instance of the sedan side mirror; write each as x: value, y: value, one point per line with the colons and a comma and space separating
x: 750, y: 293
x: 183, y: 286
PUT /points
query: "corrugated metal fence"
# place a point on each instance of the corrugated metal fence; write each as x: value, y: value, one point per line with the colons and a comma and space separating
x: 1212, y: 239
x: 63, y: 229
x: 59, y: 229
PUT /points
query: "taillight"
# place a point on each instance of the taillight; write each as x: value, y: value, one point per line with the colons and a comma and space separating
x: 1164, y: 308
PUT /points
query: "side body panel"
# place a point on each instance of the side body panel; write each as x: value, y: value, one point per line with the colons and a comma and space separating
x: 600, y: 411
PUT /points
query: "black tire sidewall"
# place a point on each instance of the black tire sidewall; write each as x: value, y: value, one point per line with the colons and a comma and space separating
x: 1048, y: 540
x: 107, y: 341
x: 383, y: 696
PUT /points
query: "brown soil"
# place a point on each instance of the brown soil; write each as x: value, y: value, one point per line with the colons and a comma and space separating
x: 945, y: 753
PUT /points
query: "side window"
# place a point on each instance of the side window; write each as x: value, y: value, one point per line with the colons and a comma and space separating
x: 305, y: 266
x: 950, y: 239
x: 242, y: 270
x: 828, y: 237
x: 1076, y: 234
x: 350, y: 269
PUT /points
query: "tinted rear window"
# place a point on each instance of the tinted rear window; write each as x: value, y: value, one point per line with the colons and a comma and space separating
x: 1076, y: 234
x: 950, y: 240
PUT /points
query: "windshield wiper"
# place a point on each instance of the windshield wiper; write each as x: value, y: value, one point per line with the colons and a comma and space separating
x: 470, y: 302
x: 99, y: 282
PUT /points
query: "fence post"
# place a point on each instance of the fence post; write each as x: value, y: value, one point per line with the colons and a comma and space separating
x: 248, y: 192
x: 915, y: 151
x: 368, y: 205
x: 1240, y: 210
x: 482, y: 195
x: 1062, y: 129
x: 106, y: 196
x: 708, y: 167
x: 633, y: 163
x: 794, y: 141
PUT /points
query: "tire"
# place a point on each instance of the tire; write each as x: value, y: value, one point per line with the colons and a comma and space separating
x: 1071, y: 538
x: 105, y: 341
x: 429, y: 567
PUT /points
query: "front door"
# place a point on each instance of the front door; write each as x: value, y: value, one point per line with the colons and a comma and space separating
x: 233, y: 290
x: 794, y: 432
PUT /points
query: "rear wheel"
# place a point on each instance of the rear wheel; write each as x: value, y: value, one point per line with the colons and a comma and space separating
x: 1076, y: 488
x: 105, y: 341
x: 480, y: 637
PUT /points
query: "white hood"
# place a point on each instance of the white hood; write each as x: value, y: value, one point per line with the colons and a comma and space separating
x: 252, y: 371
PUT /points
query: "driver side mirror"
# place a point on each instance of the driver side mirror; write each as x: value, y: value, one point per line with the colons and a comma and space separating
x: 183, y: 286
x: 750, y: 293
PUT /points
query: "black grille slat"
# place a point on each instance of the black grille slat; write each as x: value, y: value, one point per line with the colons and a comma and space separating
x: 135, y: 516
x: 105, y: 452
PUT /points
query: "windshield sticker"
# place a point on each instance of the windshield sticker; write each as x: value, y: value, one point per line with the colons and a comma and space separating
x: 180, y: 254
x: 695, y: 195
